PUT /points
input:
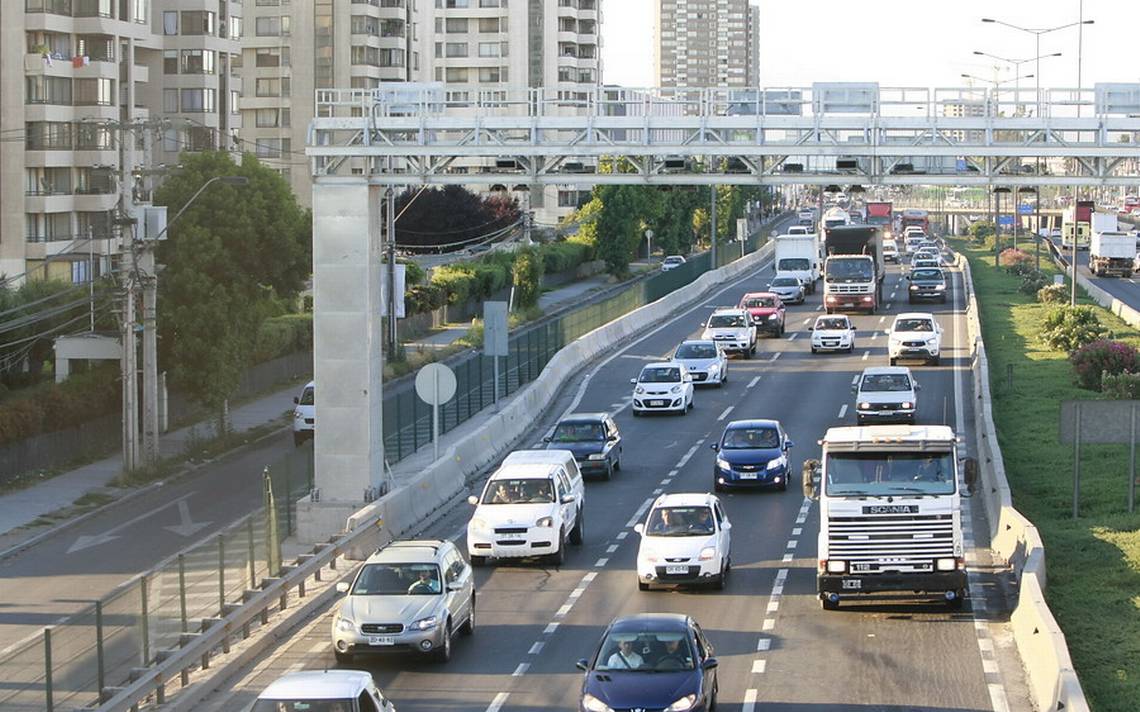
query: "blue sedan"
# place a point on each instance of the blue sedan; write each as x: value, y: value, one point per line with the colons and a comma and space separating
x: 752, y: 453
x: 651, y: 661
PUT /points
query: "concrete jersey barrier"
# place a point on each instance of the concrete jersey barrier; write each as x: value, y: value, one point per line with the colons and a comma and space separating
x: 1040, y: 642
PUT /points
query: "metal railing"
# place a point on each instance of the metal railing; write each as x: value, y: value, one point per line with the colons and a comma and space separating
x: 78, y: 661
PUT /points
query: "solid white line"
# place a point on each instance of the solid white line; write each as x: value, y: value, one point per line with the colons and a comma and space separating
x: 865, y: 355
x: 997, y: 697
x: 611, y: 548
x: 535, y: 649
x: 724, y: 414
x: 749, y: 701
x: 498, y: 702
x: 758, y: 666
x: 793, y: 336
x: 764, y: 644
x: 842, y: 410
x: 521, y: 670
x: 601, y: 562
x: 753, y: 382
x: 769, y: 624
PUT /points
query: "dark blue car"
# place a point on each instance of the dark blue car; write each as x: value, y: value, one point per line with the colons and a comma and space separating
x: 752, y: 453
x: 652, y: 662
x: 594, y: 440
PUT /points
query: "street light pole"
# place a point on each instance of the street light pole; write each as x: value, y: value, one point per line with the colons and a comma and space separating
x: 1080, y: 23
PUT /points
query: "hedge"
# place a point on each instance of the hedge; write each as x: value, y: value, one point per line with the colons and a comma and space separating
x: 565, y: 255
x: 48, y: 407
x: 283, y: 335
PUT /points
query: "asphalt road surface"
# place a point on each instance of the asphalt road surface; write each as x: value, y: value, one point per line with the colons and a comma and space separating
x: 777, y: 649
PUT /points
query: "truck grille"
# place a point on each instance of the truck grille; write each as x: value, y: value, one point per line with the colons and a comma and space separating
x: 904, y: 543
x: 849, y: 288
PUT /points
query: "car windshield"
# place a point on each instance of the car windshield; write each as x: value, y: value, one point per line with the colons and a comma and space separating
x: 641, y: 651
x: 724, y: 321
x: 680, y: 521
x: 913, y: 325
x: 307, y: 397
x: 793, y: 264
x: 831, y: 324
x: 848, y: 270
x: 524, y: 490
x: 578, y: 433
x: 660, y: 374
x: 871, y: 473
x: 927, y: 274
x: 750, y: 439
x: 302, y: 705
x: 785, y: 282
x: 397, y: 580
x: 890, y: 245
x: 695, y: 351
x: 834, y: 223
x: 674, y: 260
x: 760, y: 303
x: 885, y: 382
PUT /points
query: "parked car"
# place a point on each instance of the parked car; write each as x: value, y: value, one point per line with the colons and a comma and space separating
x: 885, y: 394
x: 594, y: 440
x: 304, y: 415
x: 751, y: 453
x: 834, y: 332
x: 664, y: 387
x: 408, y: 597
x: 915, y: 335
x: 706, y: 360
x: 733, y: 329
x: 531, y: 506
x: 323, y: 691
x: 672, y: 262
x: 789, y: 289
x: 685, y: 539
x: 926, y: 283
x: 650, y: 661
x: 766, y: 310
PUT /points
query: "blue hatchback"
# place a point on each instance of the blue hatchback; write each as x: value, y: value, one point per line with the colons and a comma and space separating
x: 752, y: 453
x: 651, y: 662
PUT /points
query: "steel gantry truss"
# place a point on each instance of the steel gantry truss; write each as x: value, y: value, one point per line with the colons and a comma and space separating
x: 826, y: 133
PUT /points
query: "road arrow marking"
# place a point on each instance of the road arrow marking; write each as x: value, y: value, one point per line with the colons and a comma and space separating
x: 86, y: 542
x: 187, y: 527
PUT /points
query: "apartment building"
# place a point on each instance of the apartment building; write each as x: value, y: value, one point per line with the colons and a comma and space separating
x: 706, y: 43
x: 83, y: 92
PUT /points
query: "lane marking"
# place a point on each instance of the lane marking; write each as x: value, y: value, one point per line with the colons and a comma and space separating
x: 874, y: 336
x: 769, y: 624
x: 807, y: 320
x: 611, y: 548
x: 773, y: 606
x: 658, y: 491
x: 601, y: 562
x: 753, y: 382
x: 787, y: 557
x: 797, y: 531
x: 774, y: 357
x: 318, y: 647
x: 637, y: 515
x: 665, y: 482
x: 561, y: 612
x: 725, y: 412
x: 882, y: 319
x: 763, y: 644
x: 521, y: 670
x: 535, y: 649
x: 758, y: 666
x: 842, y: 410
x: 865, y: 355
x: 498, y: 702
x: 793, y: 336
x: 550, y: 628
x: 622, y: 535
x: 749, y: 701
x: 855, y: 379
x: 793, y: 543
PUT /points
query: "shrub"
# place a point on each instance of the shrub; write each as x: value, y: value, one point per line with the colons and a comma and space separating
x: 422, y: 298
x: 48, y: 407
x: 282, y: 335
x: 979, y: 231
x: 413, y: 273
x: 1033, y: 282
x: 1015, y: 261
x: 1069, y: 328
x: 1053, y: 294
x: 1097, y: 359
x: 527, y: 274
x: 565, y: 255
x: 1121, y: 386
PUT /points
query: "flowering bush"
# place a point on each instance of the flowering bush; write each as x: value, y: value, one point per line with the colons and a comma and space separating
x: 1095, y: 360
x: 1015, y: 261
x: 1069, y: 328
x: 1121, y: 386
x: 1053, y: 294
x: 1033, y: 281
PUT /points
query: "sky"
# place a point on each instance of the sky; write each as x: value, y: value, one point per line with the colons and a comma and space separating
x: 902, y: 43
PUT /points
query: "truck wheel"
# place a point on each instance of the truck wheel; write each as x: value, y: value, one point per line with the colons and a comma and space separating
x: 958, y: 602
x: 578, y: 532
x: 893, y: 361
x: 478, y: 561
x: 826, y: 604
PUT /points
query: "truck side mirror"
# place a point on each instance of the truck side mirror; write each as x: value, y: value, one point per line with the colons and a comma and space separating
x: 970, y: 469
x: 810, y: 472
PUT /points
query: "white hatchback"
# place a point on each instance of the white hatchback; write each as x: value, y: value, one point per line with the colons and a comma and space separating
x: 833, y: 332
x: 916, y: 335
x: 685, y: 539
x: 665, y: 387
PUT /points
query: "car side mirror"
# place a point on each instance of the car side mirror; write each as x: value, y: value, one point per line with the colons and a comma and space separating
x: 582, y: 664
x: 296, y: 400
x: 970, y: 469
x: 709, y: 664
x: 568, y: 499
x: 633, y: 380
x: 453, y: 587
x: 809, y: 473
x: 546, y: 439
x: 917, y: 387
x: 811, y: 328
x: 342, y: 587
x: 714, y: 446
x: 639, y: 528
x: 612, y: 438
x: 788, y: 444
x: 472, y: 500
x: 704, y: 324
x: 726, y: 526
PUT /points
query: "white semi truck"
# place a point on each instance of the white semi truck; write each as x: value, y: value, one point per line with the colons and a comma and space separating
x: 1111, y: 252
x: 890, y: 512
x: 799, y: 256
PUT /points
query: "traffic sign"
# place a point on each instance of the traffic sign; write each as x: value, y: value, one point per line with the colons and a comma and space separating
x: 1005, y: 220
x: 435, y: 384
x: 1024, y: 209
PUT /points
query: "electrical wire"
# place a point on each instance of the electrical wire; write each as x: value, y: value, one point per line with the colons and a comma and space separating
x: 42, y: 334
x: 41, y: 300
x: 17, y: 324
x: 480, y: 239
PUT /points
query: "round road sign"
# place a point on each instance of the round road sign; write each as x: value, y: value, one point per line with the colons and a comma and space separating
x: 435, y: 384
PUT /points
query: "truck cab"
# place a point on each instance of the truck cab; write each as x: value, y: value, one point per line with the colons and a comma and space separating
x: 890, y: 512
x: 854, y: 269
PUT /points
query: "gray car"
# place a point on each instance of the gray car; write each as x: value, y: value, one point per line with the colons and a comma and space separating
x: 790, y: 289
x: 410, y: 597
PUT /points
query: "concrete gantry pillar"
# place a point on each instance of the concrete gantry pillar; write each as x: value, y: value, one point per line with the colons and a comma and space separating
x: 347, y: 336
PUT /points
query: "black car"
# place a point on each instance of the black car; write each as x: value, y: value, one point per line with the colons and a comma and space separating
x: 593, y: 438
x: 927, y: 283
x: 651, y: 661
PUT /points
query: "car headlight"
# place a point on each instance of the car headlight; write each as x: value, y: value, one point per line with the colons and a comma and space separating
x: 777, y: 463
x: 345, y: 625
x: 713, y: 369
x: 593, y: 704
x: 836, y: 567
x: 675, y: 389
x: 685, y: 703
x: 723, y: 463
x: 914, y: 287
x: 907, y: 404
x: 545, y: 522
x: 939, y: 287
x: 639, y: 390
x: 864, y: 406
x: 297, y: 414
x: 896, y: 340
x: 597, y: 456
x: 648, y: 556
x: 479, y: 524
x: 770, y: 318
x: 708, y: 553
x: 947, y: 564
x: 426, y: 623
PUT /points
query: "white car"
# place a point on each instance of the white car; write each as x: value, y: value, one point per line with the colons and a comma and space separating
x: 672, y: 262
x: 664, y: 387
x: 531, y: 506
x: 885, y: 394
x: 890, y: 251
x: 913, y: 241
x: 925, y: 262
x: 915, y: 335
x: 685, y: 539
x: 832, y: 333
x: 732, y: 328
x: 304, y: 415
x: 706, y: 360
x: 798, y: 230
x: 323, y: 690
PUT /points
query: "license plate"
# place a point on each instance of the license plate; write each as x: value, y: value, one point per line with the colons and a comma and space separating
x: 748, y: 475
x: 381, y: 640
x: 852, y: 584
x: 676, y: 569
x: 862, y: 567
x: 656, y: 402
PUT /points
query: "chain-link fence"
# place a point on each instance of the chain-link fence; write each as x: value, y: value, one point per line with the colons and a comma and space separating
x: 70, y: 663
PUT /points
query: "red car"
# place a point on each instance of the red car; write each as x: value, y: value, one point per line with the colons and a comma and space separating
x: 767, y: 312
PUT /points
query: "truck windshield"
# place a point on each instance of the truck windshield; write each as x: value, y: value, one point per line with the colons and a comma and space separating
x: 835, y: 223
x: 889, y: 473
x: 849, y: 270
x: 793, y: 264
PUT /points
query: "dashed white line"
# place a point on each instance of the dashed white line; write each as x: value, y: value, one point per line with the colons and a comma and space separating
x: 842, y: 410
x: 725, y: 412
x: 855, y: 379
x: 611, y: 548
x: 763, y: 644
x: 577, y: 593
x: 819, y: 308
x: 865, y: 355
x: 769, y: 624
x: 793, y: 336
x: 788, y: 557
x: 536, y: 648
x: 637, y: 515
x: 774, y: 357
x: 521, y: 670
x: 749, y: 701
x: 773, y: 606
x: 658, y: 491
x: 874, y: 336
x: 561, y: 612
x: 758, y: 666
x: 882, y: 319
x: 550, y: 628
x: 498, y: 702
x: 665, y: 482
x: 797, y: 531
x: 793, y: 543
x: 753, y: 382
x: 808, y: 320
x: 622, y: 535
x: 600, y: 563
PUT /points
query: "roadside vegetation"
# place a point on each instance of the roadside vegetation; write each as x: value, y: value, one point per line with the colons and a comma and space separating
x: 1093, y: 563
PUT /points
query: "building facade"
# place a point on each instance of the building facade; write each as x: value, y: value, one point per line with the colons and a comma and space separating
x: 706, y: 43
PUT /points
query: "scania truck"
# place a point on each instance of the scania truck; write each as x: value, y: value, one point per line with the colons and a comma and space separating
x: 890, y: 516
x: 853, y: 270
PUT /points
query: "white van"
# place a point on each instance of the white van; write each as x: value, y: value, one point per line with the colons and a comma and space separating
x: 304, y: 415
x: 531, y: 506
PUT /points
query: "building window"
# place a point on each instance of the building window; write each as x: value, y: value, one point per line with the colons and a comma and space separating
x: 98, y: 48
x: 98, y: 225
x: 267, y: 119
x: 48, y: 90
x: 455, y: 49
x: 235, y: 97
x: 456, y: 74
x: 235, y: 27
x: 199, y: 100
x: 94, y: 92
x: 268, y: 57
x: 492, y: 24
x: 492, y: 74
x: 198, y: 22
x: 92, y: 137
x: 170, y: 22
x: 94, y: 181
x: 92, y: 8
x: 456, y: 24
x: 490, y: 49
x: 267, y: 87
x: 198, y: 61
x: 170, y: 61
x: 170, y: 101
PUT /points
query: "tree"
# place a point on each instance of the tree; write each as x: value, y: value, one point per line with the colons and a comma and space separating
x: 626, y: 211
x: 527, y: 273
x: 442, y: 217
x: 674, y: 229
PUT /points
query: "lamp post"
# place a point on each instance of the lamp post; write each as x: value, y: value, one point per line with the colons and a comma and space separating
x: 1037, y: 32
x: 1017, y: 70
x: 649, y: 246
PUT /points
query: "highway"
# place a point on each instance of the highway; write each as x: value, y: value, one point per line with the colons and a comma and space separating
x: 777, y: 649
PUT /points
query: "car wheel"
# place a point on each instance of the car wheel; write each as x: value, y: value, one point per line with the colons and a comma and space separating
x: 617, y: 464
x: 943, y: 300
x: 717, y: 487
x: 712, y: 700
x: 342, y: 658
x: 636, y: 413
x: 579, y: 530
x: 814, y: 350
x: 609, y: 473
x: 642, y: 586
x: 909, y: 300
x: 468, y: 628
x: 784, y: 484
x: 851, y: 348
x: 722, y: 577
x: 936, y: 361
x: 443, y: 652
x: 559, y: 557
x: 892, y: 360
x: 477, y: 561
x: 297, y: 440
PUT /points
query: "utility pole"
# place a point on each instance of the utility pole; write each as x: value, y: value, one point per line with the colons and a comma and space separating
x: 129, y: 221
x: 712, y: 227
x: 390, y: 297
